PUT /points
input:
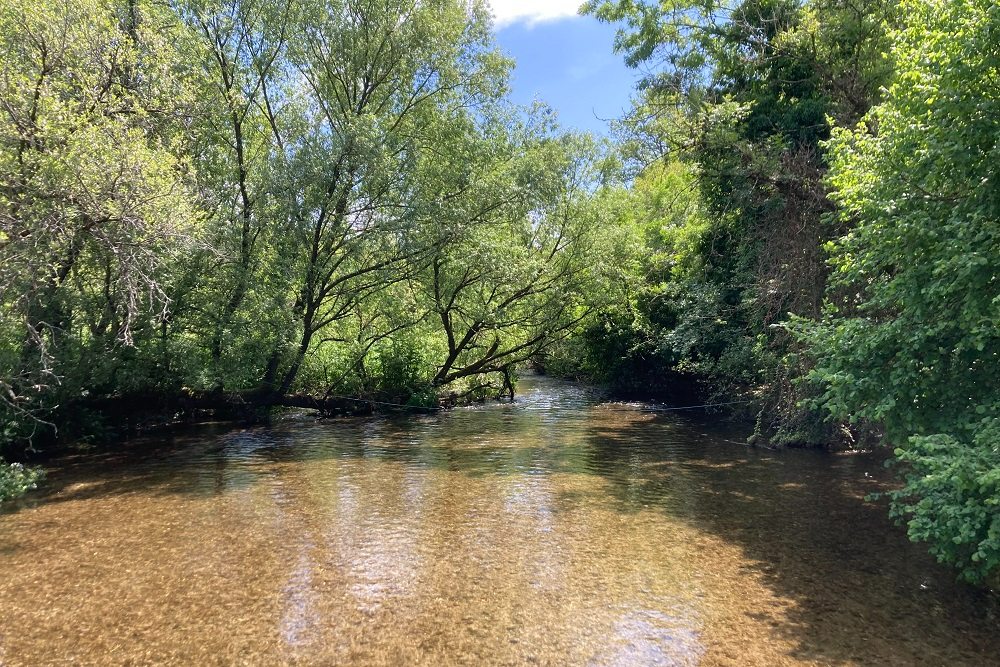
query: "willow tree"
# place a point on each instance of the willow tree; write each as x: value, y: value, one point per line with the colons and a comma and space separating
x: 523, y: 275
x: 332, y: 113
x: 244, y: 118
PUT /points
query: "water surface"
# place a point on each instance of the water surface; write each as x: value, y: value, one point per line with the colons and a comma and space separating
x: 557, y: 530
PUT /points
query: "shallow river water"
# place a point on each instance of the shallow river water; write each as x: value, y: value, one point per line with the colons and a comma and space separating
x: 556, y: 530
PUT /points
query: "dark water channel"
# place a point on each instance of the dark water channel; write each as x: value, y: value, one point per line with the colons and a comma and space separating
x: 555, y: 530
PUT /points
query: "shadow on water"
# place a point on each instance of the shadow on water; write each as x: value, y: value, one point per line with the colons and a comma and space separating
x: 860, y: 592
x: 851, y: 588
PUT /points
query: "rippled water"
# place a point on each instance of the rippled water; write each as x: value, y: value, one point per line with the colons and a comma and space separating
x: 555, y: 530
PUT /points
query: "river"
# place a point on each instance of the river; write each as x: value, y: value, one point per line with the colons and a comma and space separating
x: 556, y: 530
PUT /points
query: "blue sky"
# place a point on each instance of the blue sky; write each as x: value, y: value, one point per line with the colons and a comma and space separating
x: 565, y: 60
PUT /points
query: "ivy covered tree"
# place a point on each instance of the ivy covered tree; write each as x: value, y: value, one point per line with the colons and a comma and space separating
x: 740, y: 95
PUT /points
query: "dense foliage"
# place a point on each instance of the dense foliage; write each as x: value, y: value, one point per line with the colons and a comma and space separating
x: 815, y: 186
x: 912, y: 338
x: 736, y: 104
x: 233, y: 205
x: 239, y: 204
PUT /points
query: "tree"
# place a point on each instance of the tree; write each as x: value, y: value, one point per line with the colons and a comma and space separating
x: 232, y: 205
x: 377, y: 91
x: 527, y: 273
x: 94, y: 198
x: 743, y: 93
x: 239, y: 147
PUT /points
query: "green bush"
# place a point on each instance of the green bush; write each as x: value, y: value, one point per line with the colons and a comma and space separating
x: 911, y: 335
x: 951, y: 499
x: 17, y: 479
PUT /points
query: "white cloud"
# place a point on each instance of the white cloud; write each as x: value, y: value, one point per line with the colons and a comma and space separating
x: 532, y: 11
